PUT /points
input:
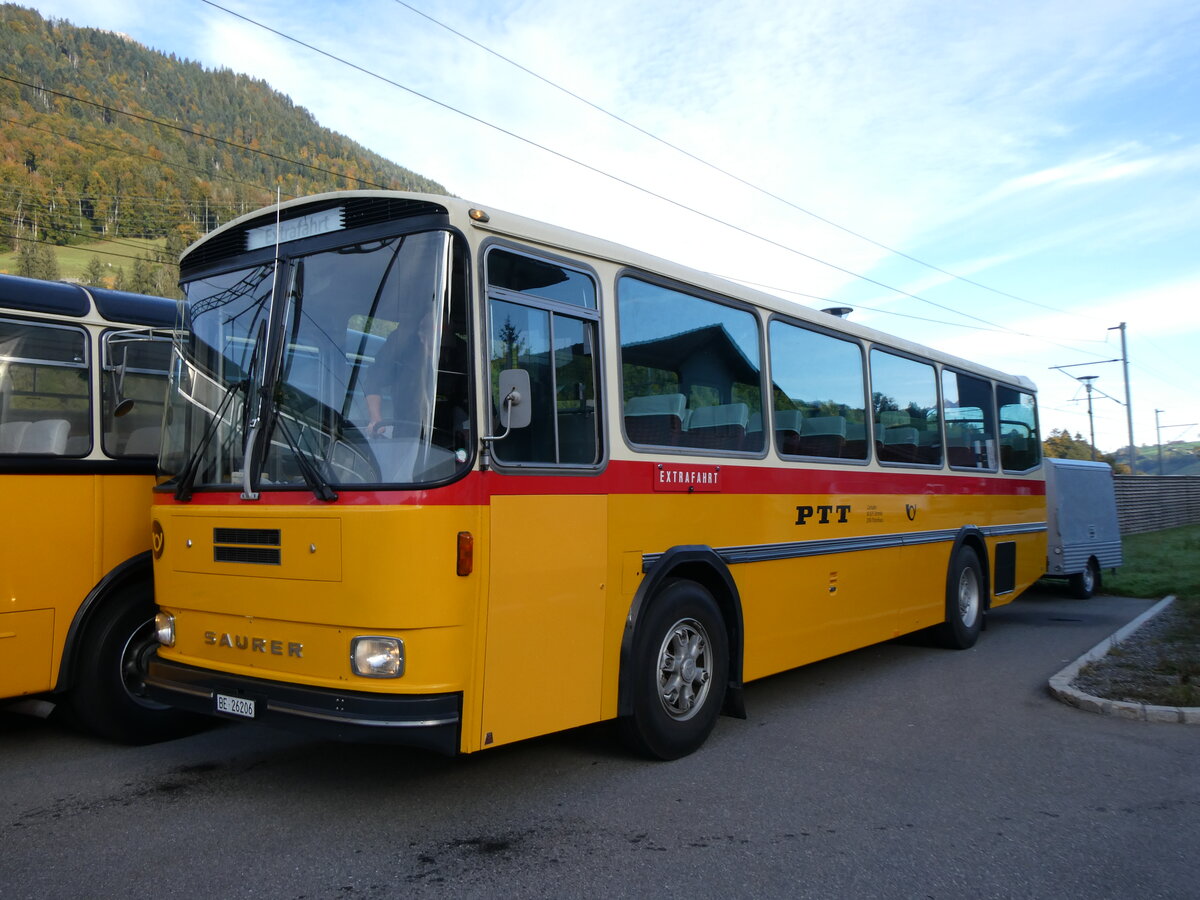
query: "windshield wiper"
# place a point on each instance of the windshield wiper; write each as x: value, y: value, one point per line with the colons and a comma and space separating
x: 183, y: 490
x: 312, y: 477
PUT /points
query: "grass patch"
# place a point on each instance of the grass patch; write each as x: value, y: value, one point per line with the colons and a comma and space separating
x: 1159, y: 563
x: 73, y: 259
x: 1160, y: 662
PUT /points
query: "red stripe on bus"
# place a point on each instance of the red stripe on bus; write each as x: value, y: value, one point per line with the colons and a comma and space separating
x: 636, y: 477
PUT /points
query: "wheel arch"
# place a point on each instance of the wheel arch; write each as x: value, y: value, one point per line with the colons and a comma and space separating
x: 703, y: 565
x: 131, y: 571
x: 970, y: 536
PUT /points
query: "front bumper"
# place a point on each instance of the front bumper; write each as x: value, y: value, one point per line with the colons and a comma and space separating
x: 430, y: 721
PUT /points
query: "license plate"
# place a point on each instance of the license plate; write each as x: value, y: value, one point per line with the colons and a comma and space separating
x: 235, y: 706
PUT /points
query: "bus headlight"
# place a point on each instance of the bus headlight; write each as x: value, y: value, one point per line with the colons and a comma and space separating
x: 164, y: 628
x: 377, y: 657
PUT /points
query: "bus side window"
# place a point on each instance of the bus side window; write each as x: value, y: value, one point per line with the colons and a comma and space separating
x: 690, y: 370
x: 904, y: 400
x: 819, y: 393
x: 1020, y: 442
x: 46, y: 398
x: 530, y: 330
x: 132, y: 392
x: 970, y: 423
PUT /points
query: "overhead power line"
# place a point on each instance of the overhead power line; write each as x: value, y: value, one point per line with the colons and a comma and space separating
x: 17, y: 237
x: 604, y: 174
x: 244, y: 148
x: 722, y: 171
x: 191, y: 132
x: 127, y: 152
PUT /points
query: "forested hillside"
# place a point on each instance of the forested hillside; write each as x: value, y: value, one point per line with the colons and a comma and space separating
x: 102, y: 138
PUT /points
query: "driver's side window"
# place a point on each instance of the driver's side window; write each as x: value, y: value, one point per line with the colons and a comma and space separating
x: 543, y: 319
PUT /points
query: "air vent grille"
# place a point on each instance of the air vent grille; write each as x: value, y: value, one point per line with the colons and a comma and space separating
x: 261, y: 556
x: 268, y: 536
x: 255, y: 546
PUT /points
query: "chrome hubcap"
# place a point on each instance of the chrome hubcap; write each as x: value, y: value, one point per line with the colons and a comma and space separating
x: 968, y: 597
x: 684, y: 669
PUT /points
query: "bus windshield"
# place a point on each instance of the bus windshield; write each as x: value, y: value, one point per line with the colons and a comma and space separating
x: 344, y: 367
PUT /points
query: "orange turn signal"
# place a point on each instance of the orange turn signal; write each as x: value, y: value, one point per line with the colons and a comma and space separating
x: 466, y: 553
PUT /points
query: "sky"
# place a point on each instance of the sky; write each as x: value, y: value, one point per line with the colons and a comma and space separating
x: 1007, y: 182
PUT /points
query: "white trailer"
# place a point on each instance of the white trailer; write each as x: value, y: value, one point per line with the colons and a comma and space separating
x: 1083, y: 536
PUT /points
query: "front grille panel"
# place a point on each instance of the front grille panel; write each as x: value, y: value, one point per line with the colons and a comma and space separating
x: 266, y: 536
x: 256, y: 546
x: 261, y: 556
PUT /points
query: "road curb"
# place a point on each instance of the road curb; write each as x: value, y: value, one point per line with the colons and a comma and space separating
x: 1060, y: 684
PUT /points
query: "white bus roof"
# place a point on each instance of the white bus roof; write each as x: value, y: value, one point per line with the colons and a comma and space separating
x: 473, y: 216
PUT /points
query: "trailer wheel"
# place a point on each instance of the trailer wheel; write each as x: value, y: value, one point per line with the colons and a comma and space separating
x: 1084, y: 584
x: 680, y: 669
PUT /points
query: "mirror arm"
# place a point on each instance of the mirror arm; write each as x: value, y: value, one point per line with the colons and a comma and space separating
x: 512, y: 399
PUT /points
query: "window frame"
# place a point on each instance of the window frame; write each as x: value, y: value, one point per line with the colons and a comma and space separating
x: 939, y: 404
x: 997, y: 386
x: 995, y: 438
x: 86, y: 366
x: 864, y: 374
x: 699, y: 293
x: 107, y: 366
x: 592, y: 315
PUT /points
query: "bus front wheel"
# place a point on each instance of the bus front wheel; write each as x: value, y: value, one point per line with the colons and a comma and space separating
x: 680, y: 670
x: 964, y: 601
x: 107, y: 696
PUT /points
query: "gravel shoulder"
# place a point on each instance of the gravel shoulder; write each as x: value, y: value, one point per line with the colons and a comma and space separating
x: 1145, y: 671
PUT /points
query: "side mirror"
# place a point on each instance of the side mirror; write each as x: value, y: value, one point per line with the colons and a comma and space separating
x: 515, y: 409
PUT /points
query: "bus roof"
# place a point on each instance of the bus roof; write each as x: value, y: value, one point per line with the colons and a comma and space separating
x: 135, y: 309
x: 475, y: 216
x: 66, y: 299
x: 35, y: 295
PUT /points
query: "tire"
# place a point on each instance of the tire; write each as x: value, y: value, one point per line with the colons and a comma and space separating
x: 106, y: 696
x: 1084, y: 584
x: 964, y: 601
x: 680, y: 671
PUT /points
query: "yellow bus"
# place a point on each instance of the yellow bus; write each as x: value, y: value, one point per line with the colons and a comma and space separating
x: 82, y: 381
x: 446, y: 476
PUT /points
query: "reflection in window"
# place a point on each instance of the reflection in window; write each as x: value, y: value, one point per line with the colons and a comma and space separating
x: 557, y: 350
x: 819, y: 396
x: 690, y: 370
x: 132, y: 392
x: 904, y: 402
x: 970, y: 427
x: 1020, y: 443
x: 44, y: 390
x: 367, y: 372
x: 544, y: 280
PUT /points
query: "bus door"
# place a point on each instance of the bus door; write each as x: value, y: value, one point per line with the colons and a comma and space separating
x: 548, y: 521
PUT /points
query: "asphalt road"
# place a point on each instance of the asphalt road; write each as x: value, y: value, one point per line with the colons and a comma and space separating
x: 901, y: 770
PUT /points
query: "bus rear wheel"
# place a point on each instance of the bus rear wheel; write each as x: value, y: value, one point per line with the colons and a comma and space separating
x: 107, y: 696
x: 964, y: 601
x: 680, y: 670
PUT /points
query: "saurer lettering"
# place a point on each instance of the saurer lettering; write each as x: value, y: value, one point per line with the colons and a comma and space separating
x: 253, y: 644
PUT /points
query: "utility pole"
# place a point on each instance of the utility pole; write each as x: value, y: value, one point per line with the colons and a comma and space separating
x: 1128, y: 399
x: 1087, y: 383
x: 1158, y: 439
